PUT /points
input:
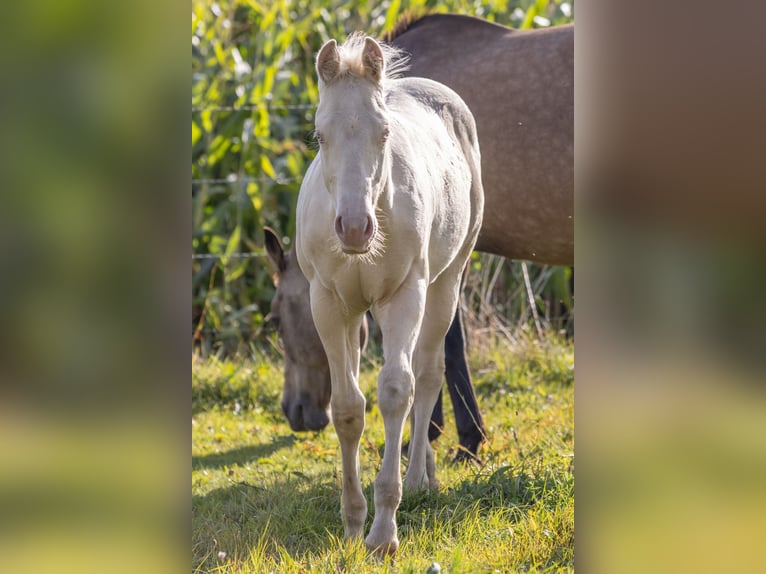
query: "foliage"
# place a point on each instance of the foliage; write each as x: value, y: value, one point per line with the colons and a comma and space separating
x: 266, y: 499
x: 253, y: 93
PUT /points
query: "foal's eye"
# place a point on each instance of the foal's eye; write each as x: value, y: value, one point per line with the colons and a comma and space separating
x: 384, y: 137
x: 320, y: 138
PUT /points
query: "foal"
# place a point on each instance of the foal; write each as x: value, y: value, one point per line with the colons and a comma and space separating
x: 387, y: 217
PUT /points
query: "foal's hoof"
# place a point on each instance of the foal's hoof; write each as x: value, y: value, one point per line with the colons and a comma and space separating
x: 382, y: 549
x: 381, y: 544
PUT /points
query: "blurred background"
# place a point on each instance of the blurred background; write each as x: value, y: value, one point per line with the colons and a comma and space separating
x: 93, y: 230
x: 670, y: 251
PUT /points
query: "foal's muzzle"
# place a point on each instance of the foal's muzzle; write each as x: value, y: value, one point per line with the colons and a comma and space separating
x: 355, y: 232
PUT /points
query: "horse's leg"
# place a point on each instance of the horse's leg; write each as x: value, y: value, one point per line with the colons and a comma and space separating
x: 340, y: 338
x: 399, y: 319
x: 435, y: 428
x: 468, y: 419
x: 429, y: 372
x: 437, y: 419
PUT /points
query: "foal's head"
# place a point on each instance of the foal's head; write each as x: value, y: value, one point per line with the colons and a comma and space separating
x: 352, y: 128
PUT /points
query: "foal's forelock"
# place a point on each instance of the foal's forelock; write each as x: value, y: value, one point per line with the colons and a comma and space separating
x: 351, y: 60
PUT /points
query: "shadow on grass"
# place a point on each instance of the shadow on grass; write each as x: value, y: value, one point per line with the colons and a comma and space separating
x: 242, y: 455
x: 294, y: 512
x: 509, y: 487
x: 301, y: 514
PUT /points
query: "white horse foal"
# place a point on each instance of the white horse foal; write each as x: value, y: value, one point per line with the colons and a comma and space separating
x: 388, y: 214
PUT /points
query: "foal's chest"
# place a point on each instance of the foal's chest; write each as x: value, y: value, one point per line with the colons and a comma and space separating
x: 360, y: 285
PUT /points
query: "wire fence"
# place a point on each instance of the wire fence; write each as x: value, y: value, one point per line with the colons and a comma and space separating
x: 228, y: 255
x: 232, y: 180
x: 280, y: 179
x: 229, y: 185
x: 253, y: 108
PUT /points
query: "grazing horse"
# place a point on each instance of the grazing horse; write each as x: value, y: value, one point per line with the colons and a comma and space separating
x: 387, y: 217
x: 519, y: 86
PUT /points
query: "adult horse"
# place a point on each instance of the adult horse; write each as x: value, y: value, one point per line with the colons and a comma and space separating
x: 387, y: 217
x: 519, y: 86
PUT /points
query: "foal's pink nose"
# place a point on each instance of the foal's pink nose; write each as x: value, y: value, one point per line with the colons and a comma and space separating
x: 354, y: 231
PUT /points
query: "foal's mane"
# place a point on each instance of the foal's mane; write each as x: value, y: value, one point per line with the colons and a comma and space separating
x: 352, y: 63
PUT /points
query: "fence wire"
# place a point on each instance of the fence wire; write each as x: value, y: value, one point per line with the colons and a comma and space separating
x: 253, y: 108
x: 227, y: 256
x: 280, y: 179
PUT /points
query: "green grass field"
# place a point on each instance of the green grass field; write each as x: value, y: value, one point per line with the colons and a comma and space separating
x: 266, y: 499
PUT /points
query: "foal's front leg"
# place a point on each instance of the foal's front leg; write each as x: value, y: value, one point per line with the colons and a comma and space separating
x: 340, y: 337
x: 399, y: 321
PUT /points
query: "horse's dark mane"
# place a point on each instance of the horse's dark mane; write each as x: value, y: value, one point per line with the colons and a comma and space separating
x: 406, y: 22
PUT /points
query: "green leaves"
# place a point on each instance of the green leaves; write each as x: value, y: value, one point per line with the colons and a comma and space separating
x: 392, y: 14
x: 267, y: 168
x: 233, y: 244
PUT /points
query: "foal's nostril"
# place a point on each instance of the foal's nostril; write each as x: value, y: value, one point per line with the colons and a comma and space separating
x: 354, y: 230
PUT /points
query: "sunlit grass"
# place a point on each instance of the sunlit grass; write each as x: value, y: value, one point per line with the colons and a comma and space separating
x: 267, y: 499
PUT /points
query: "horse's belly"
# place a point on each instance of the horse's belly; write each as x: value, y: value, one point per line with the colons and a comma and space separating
x: 452, y: 222
x: 443, y: 250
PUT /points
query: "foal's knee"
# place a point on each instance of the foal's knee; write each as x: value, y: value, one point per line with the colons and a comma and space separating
x: 348, y: 415
x: 388, y: 491
x: 396, y: 389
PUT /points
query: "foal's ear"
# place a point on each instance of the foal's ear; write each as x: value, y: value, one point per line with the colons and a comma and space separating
x: 328, y: 61
x: 373, y: 60
x: 274, y: 249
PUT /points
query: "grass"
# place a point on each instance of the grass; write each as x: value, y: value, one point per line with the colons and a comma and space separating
x: 265, y: 499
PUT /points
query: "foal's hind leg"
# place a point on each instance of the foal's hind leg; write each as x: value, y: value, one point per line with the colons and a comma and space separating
x: 429, y: 371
